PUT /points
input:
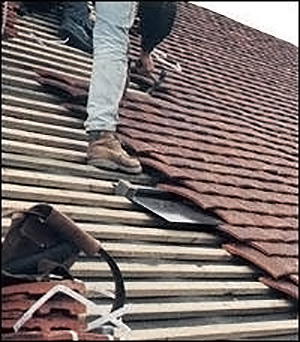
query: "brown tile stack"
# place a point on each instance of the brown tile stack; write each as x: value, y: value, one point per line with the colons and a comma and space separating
x: 68, y: 88
x: 60, y: 318
x: 8, y: 29
x: 62, y: 335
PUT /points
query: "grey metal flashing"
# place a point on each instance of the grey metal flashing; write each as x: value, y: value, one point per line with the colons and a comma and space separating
x: 167, y: 206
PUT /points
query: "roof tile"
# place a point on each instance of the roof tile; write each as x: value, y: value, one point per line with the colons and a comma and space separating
x: 240, y: 193
x: 277, y: 267
x: 276, y: 248
x: 282, y: 285
x: 240, y: 218
x: 260, y: 234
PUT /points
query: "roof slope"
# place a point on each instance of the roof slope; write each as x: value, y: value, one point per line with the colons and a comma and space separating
x: 224, y: 132
x: 180, y: 284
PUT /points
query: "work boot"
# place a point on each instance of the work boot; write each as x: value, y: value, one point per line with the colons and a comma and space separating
x: 107, y: 152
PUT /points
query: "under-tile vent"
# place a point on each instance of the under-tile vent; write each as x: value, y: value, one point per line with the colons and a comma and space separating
x: 165, y: 205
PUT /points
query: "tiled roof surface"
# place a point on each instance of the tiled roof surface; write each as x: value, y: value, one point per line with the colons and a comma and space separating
x: 224, y: 132
x: 180, y: 283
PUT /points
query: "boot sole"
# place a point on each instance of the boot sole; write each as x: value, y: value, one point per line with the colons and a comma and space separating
x: 109, y: 165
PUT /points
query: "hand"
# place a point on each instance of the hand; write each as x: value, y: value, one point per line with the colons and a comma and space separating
x: 146, y: 63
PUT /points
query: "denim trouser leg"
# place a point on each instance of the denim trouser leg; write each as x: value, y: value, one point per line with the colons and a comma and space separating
x: 110, y: 40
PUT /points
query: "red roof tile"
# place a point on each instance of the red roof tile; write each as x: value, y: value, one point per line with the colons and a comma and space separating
x: 282, y: 285
x: 277, y: 248
x: 59, y: 312
x: 261, y: 234
x: 53, y: 322
x: 276, y: 266
x: 63, y: 303
x: 38, y: 288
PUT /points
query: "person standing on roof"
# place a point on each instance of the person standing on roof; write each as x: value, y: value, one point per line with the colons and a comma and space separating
x: 109, y: 73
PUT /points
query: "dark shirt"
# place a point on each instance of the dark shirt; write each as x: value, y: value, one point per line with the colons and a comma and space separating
x: 156, y: 21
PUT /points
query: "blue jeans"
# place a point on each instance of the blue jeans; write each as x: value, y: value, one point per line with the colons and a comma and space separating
x: 110, y: 62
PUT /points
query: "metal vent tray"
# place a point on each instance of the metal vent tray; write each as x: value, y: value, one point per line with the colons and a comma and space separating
x: 167, y: 206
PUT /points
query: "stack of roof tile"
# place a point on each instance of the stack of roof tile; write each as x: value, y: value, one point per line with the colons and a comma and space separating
x: 60, y: 318
x: 62, y: 335
x: 8, y: 29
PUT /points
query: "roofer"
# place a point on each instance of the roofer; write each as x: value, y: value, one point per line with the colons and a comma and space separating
x: 109, y: 73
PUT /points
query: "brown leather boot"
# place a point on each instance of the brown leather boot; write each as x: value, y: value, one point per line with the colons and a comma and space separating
x: 107, y: 152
